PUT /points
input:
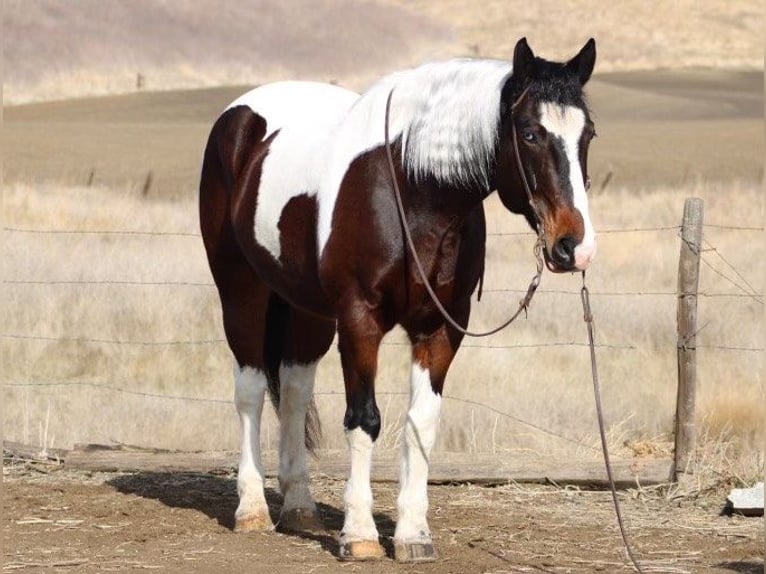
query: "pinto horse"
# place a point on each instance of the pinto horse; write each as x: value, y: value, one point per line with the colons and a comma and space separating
x: 303, y: 237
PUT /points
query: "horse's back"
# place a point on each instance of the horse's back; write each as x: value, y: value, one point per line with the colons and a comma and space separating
x: 297, y: 104
x: 271, y: 146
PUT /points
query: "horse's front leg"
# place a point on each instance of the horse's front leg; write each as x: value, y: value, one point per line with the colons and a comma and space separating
x: 431, y: 358
x: 359, y: 337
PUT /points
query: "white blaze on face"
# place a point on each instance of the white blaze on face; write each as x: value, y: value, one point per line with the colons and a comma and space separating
x: 567, y: 123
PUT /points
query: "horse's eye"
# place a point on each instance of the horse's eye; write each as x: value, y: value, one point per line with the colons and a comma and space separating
x: 529, y: 136
x: 587, y: 183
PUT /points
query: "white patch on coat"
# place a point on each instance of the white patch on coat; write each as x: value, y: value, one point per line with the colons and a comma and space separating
x: 419, y: 437
x: 250, y: 388
x: 306, y: 115
x: 358, y: 523
x: 448, y: 115
x: 296, y: 391
x: 567, y: 123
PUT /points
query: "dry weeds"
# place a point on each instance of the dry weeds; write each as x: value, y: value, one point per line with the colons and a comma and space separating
x: 154, y: 341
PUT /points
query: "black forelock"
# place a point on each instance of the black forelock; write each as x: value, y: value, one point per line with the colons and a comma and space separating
x: 554, y: 82
x: 548, y: 82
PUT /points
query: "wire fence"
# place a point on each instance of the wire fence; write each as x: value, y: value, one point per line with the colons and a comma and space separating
x: 712, y: 258
x: 727, y: 272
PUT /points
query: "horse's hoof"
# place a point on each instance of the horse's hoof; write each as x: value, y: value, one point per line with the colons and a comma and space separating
x: 258, y: 521
x: 300, y: 520
x: 361, y: 550
x: 414, y: 551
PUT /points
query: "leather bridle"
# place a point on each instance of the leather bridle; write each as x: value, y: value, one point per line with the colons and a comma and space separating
x: 539, y: 244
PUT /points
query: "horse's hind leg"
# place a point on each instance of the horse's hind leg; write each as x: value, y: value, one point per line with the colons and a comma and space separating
x: 244, y: 311
x: 244, y: 300
x: 307, y: 339
x: 252, y: 512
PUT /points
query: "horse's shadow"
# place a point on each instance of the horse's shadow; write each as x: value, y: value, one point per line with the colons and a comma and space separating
x: 743, y: 566
x: 216, y: 497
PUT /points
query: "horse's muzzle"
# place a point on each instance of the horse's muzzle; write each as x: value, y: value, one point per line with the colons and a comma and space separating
x: 567, y: 255
x: 561, y: 257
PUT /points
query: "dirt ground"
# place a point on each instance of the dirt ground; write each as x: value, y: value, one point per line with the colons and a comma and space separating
x: 60, y: 520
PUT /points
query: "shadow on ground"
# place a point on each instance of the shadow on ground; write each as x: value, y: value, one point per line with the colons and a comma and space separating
x: 216, y: 497
x: 743, y: 566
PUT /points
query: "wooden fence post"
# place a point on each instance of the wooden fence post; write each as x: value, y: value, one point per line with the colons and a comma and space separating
x: 688, y: 282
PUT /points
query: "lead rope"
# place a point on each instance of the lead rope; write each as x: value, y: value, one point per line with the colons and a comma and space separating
x: 588, y: 318
x: 523, y: 305
x: 538, y: 250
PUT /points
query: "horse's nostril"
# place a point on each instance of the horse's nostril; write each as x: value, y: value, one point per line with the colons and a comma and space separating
x: 564, y: 251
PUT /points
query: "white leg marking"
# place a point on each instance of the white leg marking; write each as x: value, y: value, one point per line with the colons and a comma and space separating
x: 296, y: 390
x: 419, y: 437
x: 250, y: 388
x: 358, y: 523
x: 567, y: 122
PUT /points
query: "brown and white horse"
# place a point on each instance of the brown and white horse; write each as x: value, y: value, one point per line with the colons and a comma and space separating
x: 303, y: 237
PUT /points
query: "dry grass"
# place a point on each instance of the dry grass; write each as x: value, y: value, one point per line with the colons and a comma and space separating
x: 87, y: 334
x: 77, y: 328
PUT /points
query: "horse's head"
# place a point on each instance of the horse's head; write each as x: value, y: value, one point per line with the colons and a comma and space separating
x: 542, y: 103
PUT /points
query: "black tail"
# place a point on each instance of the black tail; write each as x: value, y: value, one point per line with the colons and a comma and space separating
x: 277, y: 330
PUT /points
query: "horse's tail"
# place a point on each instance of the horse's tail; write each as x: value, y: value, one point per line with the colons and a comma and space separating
x: 277, y: 321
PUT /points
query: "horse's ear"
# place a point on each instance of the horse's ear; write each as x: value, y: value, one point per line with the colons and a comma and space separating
x: 582, y: 64
x: 523, y: 60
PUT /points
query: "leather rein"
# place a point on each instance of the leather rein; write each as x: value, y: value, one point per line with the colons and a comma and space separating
x: 539, y: 244
x: 524, y: 304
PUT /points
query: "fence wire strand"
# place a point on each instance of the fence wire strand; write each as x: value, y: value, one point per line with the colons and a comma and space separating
x: 746, y: 291
x: 122, y: 390
x: 753, y: 290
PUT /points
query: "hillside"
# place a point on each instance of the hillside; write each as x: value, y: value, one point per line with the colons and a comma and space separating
x: 56, y: 50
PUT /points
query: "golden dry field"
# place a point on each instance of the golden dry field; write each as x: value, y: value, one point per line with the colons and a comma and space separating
x: 112, y: 331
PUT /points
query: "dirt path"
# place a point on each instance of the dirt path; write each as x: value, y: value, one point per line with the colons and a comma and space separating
x: 60, y: 520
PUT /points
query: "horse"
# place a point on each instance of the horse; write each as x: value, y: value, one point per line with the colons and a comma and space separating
x: 299, y: 221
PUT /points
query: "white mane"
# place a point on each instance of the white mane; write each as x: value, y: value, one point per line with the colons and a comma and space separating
x: 448, y: 115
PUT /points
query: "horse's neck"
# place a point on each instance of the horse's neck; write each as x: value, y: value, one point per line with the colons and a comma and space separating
x: 438, y: 210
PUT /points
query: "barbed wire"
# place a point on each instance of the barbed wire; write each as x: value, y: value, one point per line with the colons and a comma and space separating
x: 753, y: 296
x: 734, y: 227
x: 125, y: 232
x: 50, y: 339
x: 191, y: 342
x: 108, y: 282
x: 607, y: 231
x: 715, y: 250
x: 221, y: 341
x: 617, y: 293
x: 522, y: 345
x: 132, y: 283
x: 146, y: 394
x: 747, y: 291
x: 730, y: 348
x: 142, y: 233
x: 117, y: 389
